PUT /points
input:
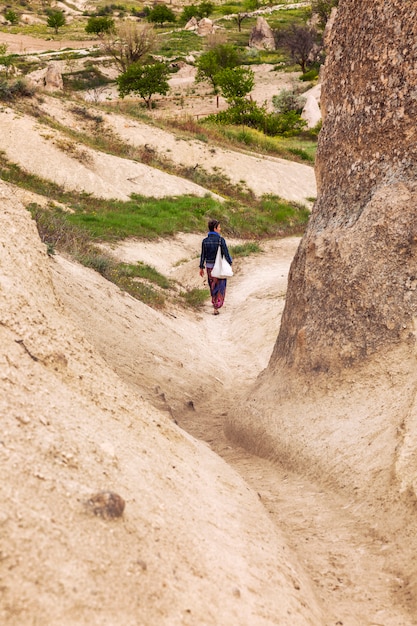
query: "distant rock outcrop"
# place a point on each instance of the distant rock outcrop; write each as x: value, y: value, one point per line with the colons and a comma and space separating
x: 192, y: 24
x: 53, y: 78
x: 262, y: 36
x: 311, y: 110
x: 202, y: 27
x: 205, y: 26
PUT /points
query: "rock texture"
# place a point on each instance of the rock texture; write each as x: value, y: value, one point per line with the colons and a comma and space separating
x: 192, y: 24
x: 205, y: 27
x: 311, y: 110
x: 352, y: 288
x: 53, y: 78
x: 338, y: 399
x: 261, y: 36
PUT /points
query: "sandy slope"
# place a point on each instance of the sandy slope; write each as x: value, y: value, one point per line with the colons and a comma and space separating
x: 194, y: 545
x: 51, y: 155
x: 91, y: 383
x: 355, y: 570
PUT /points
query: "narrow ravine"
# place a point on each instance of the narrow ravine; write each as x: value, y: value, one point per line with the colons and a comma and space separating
x: 195, y: 367
x: 353, y: 570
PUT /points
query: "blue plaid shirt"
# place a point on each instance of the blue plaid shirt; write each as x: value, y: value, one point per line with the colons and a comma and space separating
x: 209, y: 247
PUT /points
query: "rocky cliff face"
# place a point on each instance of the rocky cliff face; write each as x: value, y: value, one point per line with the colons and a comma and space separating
x: 352, y: 286
x: 338, y: 399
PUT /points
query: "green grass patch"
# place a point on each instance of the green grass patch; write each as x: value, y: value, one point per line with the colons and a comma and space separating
x: 195, y: 298
x: 57, y: 233
x: 143, y: 292
x: 178, y: 43
x: 143, y: 217
x: 112, y: 220
x: 273, y: 217
x: 299, y: 148
x: 245, y: 249
x: 279, y: 19
x: 144, y: 271
x: 74, y: 30
x: 88, y: 78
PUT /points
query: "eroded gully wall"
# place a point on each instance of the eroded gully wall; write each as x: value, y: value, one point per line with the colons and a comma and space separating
x: 338, y: 397
x: 352, y: 287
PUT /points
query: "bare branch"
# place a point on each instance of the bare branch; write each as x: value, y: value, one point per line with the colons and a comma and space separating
x: 130, y: 43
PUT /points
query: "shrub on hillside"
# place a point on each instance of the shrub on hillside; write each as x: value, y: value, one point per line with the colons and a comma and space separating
x: 245, y: 113
x: 11, y: 90
x: 284, y: 124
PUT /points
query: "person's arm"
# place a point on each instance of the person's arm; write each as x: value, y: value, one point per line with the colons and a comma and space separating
x: 202, y: 259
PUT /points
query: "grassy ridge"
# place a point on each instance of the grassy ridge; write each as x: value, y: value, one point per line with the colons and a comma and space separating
x: 143, y: 217
x: 149, y: 217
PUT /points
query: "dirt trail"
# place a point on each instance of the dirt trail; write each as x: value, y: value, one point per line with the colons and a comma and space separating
x: 352, y: 568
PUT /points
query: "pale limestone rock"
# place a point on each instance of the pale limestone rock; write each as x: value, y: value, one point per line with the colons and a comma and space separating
x: 262, y: 36
x: 205, y: 26
x: 311, y: 110
x: 192, y: 24
x: 53, y: 78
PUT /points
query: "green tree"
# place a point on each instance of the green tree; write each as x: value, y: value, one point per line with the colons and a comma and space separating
x: 204, y: 9
x: 323, y: 9
x: 98, y: 25
x: 239, y: 18
x: 244, y: 113
x: 55, y: 19
x: 160, y: 14
x: 220, y: 57
x: 11, y: 16
x: 248, y: 6
x: 235, y: 83
x: 189, y: 12
x: 145, y: 81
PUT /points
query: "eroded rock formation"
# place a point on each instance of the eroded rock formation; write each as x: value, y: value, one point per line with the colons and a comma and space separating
x: 338, y: 398
x: 53, y: 78
x: 261, y: 36
x: 352, y: 289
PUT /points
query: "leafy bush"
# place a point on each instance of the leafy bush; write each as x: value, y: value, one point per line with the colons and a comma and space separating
x: 314, y: 132
x: 288, y: 100
x: 87, y: 78
x: 221, y: 57
x: 285, y: 124
x: 98, y: 25
x: 11, y: 90
x: 55, y: 19
x: 235, y: 83
x: 246, y: 113
x: 144, y: 80
x: 204, y: 9
x: 310, y: 75
x: 160, y: 14
x: 11, y: 16
x: 109, y: 9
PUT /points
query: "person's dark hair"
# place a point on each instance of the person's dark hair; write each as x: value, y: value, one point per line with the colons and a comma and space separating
x: 213, y: 224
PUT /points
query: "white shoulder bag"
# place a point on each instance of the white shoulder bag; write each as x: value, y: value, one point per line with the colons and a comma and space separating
x: 221, y: 269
